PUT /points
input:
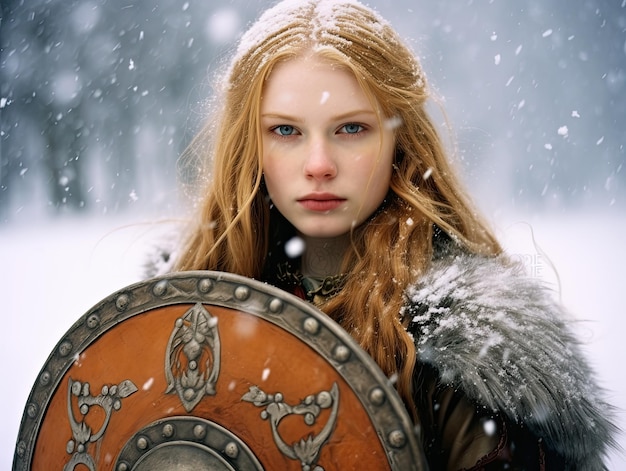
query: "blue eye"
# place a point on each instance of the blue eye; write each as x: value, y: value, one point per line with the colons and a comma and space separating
x: 284, y: 130
x: 352, y: 128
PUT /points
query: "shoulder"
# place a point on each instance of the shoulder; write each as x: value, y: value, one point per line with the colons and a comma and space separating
x: 502, y: 338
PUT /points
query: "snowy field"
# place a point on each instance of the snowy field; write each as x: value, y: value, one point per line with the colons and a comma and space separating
x: 55, y: 271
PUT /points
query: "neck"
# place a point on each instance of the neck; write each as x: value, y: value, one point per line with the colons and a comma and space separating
x: 323, y: 256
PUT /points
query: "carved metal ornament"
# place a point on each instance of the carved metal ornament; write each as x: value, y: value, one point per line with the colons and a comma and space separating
x: 192, y: 358
x: 109, y: 399
x: 306, y: 450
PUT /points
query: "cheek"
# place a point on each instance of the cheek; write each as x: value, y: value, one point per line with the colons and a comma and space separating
x: 381, y: 175
x: 280, y: 164
x: 274, y: 158
x: 381, y: 182
x: 381, y: 165
x: 268, y: 164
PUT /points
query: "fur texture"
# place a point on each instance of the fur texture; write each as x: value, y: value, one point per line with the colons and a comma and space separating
x: 502, y: 338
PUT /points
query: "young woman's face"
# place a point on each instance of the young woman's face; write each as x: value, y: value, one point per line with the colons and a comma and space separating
x: 327, y: 161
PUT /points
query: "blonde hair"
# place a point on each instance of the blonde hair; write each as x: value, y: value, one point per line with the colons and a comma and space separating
x: 233, y: 228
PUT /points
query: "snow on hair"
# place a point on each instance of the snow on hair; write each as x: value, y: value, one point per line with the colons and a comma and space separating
x: 324, y: 15
x: 319, y: 25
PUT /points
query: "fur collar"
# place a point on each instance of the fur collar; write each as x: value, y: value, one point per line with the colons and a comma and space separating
x: 502, y: 338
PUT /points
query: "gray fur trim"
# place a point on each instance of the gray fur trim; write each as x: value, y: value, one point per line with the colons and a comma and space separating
x: 502, y: 338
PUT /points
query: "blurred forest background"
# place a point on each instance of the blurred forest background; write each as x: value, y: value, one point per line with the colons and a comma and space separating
x: 98, y: 98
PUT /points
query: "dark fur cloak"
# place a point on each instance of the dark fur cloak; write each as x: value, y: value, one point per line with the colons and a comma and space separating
x: 502, y: 338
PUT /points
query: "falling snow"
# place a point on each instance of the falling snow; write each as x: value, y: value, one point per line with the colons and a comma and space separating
x: 98, y: 108
x: 294, y: 247
x: 148, y: 384
x: 265, y: 374
x: 490, y: 427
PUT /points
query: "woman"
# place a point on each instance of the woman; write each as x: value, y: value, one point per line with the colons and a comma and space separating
x: 323, y: 141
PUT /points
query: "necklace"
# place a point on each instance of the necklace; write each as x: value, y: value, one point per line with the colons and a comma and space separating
x: 312, y: 288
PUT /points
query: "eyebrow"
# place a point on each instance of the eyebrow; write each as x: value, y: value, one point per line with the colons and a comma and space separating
x: 338, y: 117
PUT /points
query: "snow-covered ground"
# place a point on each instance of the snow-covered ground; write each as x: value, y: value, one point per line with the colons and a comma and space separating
x: 54, y: 271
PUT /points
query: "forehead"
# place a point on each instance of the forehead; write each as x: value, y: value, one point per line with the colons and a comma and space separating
x: 311, y: 79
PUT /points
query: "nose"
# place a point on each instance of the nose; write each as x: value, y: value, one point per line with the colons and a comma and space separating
x: 319, y: 163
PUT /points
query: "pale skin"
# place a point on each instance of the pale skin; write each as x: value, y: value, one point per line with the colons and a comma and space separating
x: 327, y: 161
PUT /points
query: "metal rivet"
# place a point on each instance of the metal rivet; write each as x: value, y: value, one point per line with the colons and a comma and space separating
x: 122, y: 301
x: 65, y: 348
x: 276, y: 305
x: 311, y: 326
x: 31, y: 410
x: 342, y: 353
x: 160, y: 288
x: 205, y: 285
x: 242, y: 293
x: 142, y: 443
x: 377, y: 396
x: 122, y: 467
x: 397, y: 439
x: 21, y: 449
x: 199, y: 431
x: 44, y: 379
x: 168, y: 430
x: 93, y: 321
x: 231, y: 450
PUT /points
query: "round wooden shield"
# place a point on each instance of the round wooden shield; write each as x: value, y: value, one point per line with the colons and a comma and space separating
x: 212, y: 371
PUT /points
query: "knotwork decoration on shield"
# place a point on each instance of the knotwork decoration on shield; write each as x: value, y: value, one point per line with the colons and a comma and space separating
x: 307, y: 449
x: 192, y: 357
x: 109, y: 399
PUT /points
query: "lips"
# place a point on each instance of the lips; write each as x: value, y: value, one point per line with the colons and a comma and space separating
x: 321, y: 202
